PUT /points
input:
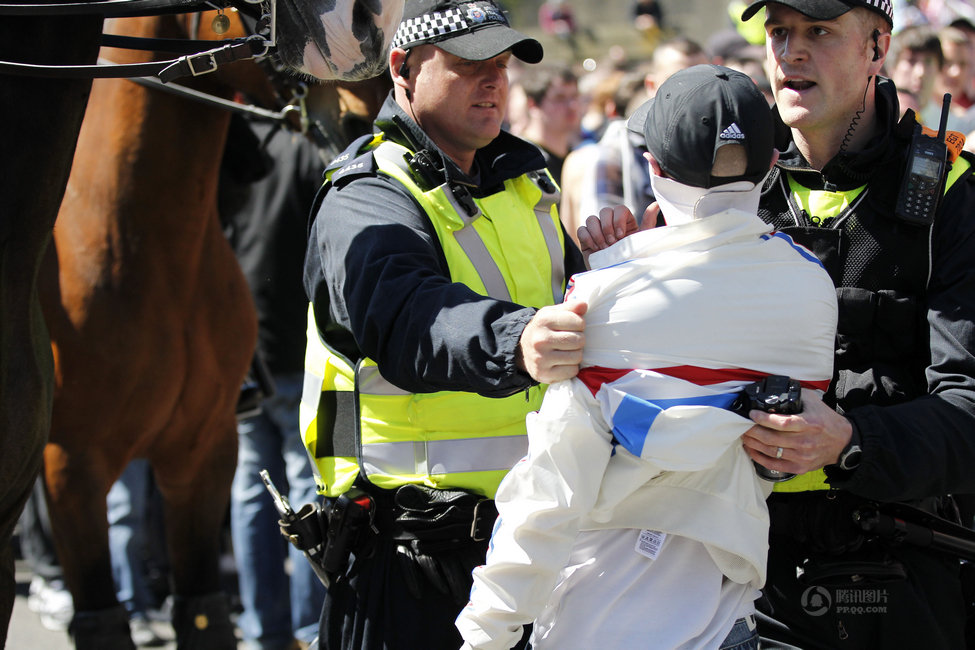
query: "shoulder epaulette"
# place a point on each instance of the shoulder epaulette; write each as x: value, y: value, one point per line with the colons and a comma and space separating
x: 362, y: 165
x: 352, y: 162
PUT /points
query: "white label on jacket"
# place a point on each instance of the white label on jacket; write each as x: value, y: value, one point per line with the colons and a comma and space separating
x: 649, y: 543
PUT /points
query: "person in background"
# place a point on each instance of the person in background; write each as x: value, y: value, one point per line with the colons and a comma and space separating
x: 956, y: 76
x: 648, y: 18
x: 436, y: 266
x: 47, y: 594
x: 554, y: 111
x: 600, y: 89
x: 128, y: 540
x: 636, y: 514
x: 266, y: 223
x: 613, y: 170
x: 557, y: 18
x: 914, y: 63
x: 672, y: 55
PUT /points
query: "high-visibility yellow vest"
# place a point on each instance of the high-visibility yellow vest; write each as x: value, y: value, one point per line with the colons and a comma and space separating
x: 445, y: 439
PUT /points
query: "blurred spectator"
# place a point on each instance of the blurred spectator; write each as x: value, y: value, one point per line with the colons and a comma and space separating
x: 941, y: 13
x: 601, y: 90
x: 557, y: 18
x: 753, y: 29
x: 47, y: 596
x: 128, y: 540
x: 579, y: 195
x: 729, y: 48
x: 908, y: 13
x: 956, y: 78
x: 648, y: 17
x: 670, y: 56
x: 968, y: 27
x: 908, y: 100
x: 267, y: 229
x: 553, y: 111
x: 517, y: 116
x: 725, y: 43
x: 914, y: 61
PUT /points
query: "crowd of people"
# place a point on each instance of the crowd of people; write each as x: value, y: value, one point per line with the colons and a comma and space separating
x: 535, y: 293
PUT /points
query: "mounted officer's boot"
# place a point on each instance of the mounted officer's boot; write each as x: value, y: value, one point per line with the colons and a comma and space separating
x: 203, y: 623
x: 101, y: 629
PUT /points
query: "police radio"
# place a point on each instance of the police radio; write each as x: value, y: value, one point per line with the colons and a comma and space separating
x: 924, y: 175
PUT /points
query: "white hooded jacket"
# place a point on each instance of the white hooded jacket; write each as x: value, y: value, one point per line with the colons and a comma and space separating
x: 680, y: 318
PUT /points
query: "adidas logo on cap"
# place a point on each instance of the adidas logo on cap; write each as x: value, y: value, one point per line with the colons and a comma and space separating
x: 732, y: 133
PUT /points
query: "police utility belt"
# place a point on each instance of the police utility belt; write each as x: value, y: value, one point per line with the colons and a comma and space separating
x: 425, y: 523
x: 845, y: 539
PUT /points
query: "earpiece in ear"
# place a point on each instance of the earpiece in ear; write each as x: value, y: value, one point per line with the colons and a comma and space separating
x: 876, y: 45
x: 403, y: 70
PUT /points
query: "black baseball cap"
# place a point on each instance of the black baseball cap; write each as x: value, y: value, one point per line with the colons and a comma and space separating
x: 475, y: 30
x: 698, y: 110
x: 826, y: 9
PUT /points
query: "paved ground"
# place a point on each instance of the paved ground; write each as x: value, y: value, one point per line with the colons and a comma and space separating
x: 27, y: 633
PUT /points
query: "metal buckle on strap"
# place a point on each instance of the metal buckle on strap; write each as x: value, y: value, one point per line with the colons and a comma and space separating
x: 204, y: 57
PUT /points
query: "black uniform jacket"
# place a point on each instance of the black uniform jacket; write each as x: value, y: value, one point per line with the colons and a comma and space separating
x: 906, y: 344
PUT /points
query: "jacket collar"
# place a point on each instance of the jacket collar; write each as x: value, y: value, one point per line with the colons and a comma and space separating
x: 503, y: 158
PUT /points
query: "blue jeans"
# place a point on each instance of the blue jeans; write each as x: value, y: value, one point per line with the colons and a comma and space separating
x: 127, y: 536
x: 743, y: 636
x: 276, y: 608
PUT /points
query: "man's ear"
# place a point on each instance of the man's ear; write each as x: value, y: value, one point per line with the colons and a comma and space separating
x: 398, y: 65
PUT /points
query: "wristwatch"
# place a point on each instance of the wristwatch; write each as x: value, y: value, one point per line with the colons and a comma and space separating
x: 851, y: 454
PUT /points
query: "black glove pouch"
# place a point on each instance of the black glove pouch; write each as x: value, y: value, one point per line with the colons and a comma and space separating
x: 441, y: 536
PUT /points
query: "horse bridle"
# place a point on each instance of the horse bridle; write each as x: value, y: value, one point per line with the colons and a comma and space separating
x: 199, y: 57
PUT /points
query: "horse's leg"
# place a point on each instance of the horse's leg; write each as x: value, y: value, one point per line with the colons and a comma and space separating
x: 195, y: 484
x: 39, y: 122
x: 77, y: 482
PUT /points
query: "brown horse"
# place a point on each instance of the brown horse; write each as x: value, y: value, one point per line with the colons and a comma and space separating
x: 153, y: 329
x: 39, y: 121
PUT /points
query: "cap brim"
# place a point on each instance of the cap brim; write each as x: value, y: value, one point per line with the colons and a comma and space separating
x: 488, y: 42
x: 818, y: 9
x: 638, y: 119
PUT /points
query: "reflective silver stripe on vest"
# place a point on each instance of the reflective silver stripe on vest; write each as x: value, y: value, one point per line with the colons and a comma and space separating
x: 443, y: 456
x: 370, y: 382
x: 473, y: 246
x: 476, y: 251
x: 543, y: 212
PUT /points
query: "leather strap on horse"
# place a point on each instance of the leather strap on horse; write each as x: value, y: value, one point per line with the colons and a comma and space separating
x: 108, y: 8
x: 168, y: 70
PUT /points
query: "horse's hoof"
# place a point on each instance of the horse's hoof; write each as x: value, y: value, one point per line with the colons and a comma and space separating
x: 102, y: 629
x: 203, y: 623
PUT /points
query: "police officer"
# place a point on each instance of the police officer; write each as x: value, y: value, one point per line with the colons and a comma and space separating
x: 899, y: 421
x: 898, y: 424
x: 436, y: 266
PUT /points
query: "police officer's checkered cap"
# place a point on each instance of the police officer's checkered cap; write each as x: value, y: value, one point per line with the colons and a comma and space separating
x: 435, y: 26
x: 472, y: 29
